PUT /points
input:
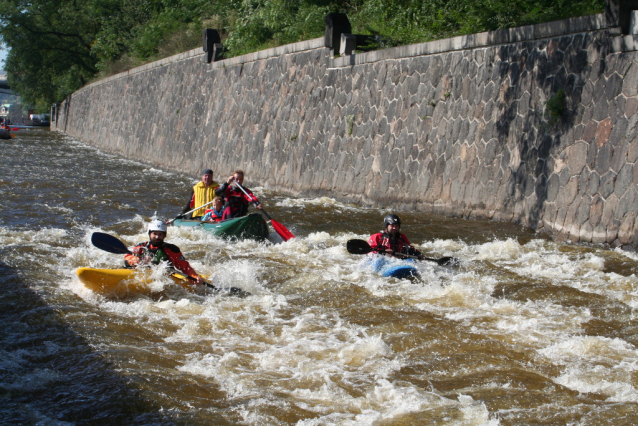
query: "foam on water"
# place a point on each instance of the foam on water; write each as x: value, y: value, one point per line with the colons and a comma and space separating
x: 324, y: 202
x: 596, y: 364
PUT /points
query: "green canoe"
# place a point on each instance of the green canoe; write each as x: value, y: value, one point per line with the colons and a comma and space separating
x: 252, y: 226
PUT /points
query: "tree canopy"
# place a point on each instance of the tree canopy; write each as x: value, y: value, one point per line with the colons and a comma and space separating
x: 57, y: 46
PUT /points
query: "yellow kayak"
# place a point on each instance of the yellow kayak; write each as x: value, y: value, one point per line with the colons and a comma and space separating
x: 125, y: 280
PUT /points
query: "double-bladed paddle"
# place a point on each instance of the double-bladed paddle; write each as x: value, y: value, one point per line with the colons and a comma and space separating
x: 283, y: 232
x: 362, y: 247
x: 111, y: 244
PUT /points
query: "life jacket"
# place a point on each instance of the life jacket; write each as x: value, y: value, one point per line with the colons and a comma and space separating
x: 236, y: 202
x: 165, y: 252
x: 399, y: 244
x: 213, y: 214
x: 203, y: 194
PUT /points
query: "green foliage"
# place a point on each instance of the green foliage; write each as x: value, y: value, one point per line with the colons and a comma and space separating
x: 350, y: 124
x: 57, y: 46
x: 413, y: 21
x: 50, y: 43
x: 555, y: 106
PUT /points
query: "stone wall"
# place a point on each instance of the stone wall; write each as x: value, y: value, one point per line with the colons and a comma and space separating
x: 458, y: 126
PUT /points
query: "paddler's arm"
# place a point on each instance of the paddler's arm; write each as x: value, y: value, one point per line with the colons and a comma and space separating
x: 133, y: 259
x: 409, y: 249
x: 180, y: 263
x: 221, y: 191
x: 252, y: 199
x: 190, y: 205
x: 375, y: 244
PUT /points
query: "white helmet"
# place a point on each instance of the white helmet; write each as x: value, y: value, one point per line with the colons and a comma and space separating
x: 157, y: 225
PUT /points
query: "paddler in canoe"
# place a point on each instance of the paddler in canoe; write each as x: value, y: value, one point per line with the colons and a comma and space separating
x: 215, y: 214
x: 237, y: 198
x: 235, y: 221
x: 203, y: 193
x: 391, y: 242
x: 156, y: 250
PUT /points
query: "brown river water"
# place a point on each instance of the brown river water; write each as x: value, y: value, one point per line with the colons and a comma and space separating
x: 526, y: 330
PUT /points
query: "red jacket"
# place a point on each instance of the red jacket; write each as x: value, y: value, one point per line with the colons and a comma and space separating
x: 236, y: 201
x: 165, y: 252
x: 401, y: 244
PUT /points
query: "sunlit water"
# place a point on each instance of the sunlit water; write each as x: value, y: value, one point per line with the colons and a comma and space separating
x: 524, y: 331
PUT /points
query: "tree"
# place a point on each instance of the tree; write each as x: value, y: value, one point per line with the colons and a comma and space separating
x: 50, y: 43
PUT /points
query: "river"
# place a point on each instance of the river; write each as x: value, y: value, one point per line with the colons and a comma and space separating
x: 525, y: 330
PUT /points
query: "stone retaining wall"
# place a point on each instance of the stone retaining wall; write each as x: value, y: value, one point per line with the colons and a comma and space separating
x: 458, y: 126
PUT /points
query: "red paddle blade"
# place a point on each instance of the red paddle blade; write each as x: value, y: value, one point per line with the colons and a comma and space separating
x: 15, y: 129
x: 283, y: 232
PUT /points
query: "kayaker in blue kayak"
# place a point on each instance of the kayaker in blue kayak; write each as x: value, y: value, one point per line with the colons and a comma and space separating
x: 391, y: 242
x: 203, y: 192
x: 237, y: 201
x: 156, y: 251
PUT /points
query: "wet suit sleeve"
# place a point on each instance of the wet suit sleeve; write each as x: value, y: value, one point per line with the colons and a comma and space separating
x: 221, y: 191
x: 375, y: 242
x: 176, y: 257
x: 250, y: 198
x: 136, y: 251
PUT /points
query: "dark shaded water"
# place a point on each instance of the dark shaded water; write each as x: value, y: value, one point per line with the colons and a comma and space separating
x: 525, y: 331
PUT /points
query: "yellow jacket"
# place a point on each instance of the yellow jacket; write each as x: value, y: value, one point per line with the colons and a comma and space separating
x: 203, y: 194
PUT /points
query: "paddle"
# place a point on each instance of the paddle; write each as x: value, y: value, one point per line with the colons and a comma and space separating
x: 283, y: 232
x: 111, y: 244
x: 168, y: 222
x: 362, y: 247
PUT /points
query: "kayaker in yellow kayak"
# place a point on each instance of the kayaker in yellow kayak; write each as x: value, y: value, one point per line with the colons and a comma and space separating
x: 203, y: 193
x: 156, y: 251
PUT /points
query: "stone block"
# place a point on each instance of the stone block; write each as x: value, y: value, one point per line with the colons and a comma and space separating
x: 618, y: 13
x: 630, y: 81
x: 603, y: 131
x: 336, y: 24
x: 348, y: 44
x: 210, y: 38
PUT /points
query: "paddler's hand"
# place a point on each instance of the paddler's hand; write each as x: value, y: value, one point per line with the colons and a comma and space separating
x: 258, y: 206
x: 132, y: 260
x: 230, y: 180
x: 199, y: 280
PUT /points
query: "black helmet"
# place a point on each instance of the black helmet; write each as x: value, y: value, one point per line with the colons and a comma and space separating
x: 391, y: 219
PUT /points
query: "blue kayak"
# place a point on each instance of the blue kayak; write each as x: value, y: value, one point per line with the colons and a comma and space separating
x: 392, y: 267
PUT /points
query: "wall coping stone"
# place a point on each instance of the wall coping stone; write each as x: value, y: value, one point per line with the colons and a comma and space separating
x: 300, y: 46
x: 142, y: 68
x: 553, y: 29
x: 314, y: 43
x: 628, y: 43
